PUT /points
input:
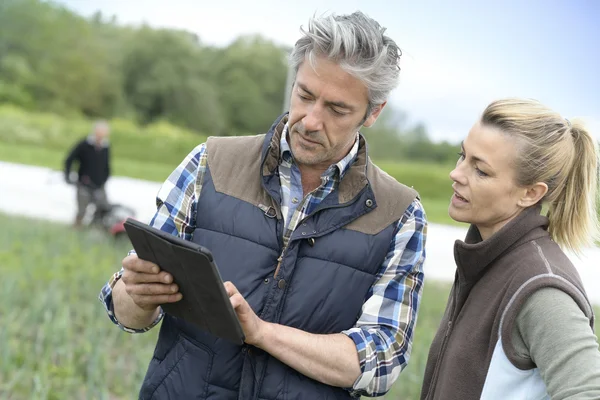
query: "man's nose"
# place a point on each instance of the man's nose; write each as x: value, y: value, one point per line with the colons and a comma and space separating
x: 313, y: 121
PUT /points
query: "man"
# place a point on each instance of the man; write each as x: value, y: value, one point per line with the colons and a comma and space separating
x: 321, y: 251
x: 93, y: 155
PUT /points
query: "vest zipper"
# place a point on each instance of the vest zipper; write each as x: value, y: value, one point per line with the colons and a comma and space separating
x: 440, y: 357
x: 279, y: 262
x: 280, y: 258
x: 354, y: 200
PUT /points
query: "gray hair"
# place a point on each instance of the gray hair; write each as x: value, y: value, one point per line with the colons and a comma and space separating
x: 100, y: 124
x: 357, y: 43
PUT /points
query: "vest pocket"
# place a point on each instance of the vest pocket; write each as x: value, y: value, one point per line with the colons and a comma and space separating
x: 185, y: 362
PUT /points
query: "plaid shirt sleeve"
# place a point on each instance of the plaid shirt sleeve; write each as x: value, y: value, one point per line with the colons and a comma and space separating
x: 175, y: 208
x: 384, y: 331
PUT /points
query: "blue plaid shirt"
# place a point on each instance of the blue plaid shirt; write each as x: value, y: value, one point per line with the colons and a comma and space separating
x: 383, y: 333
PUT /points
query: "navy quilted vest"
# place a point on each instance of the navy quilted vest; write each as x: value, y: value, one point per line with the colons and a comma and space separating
x: 325, y: 274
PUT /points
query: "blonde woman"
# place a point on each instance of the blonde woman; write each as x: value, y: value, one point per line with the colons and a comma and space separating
x: 518, y: 324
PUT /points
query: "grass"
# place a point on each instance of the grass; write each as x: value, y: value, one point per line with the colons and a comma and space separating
x: 57, y: 342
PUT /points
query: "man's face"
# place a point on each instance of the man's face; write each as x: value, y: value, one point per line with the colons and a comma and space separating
x: 327, y: 108
x: 101, y: 133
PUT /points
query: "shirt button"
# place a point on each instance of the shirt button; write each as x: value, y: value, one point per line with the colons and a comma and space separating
x: 295, y: 200
x: 369, y: 203
x: 281, y: 284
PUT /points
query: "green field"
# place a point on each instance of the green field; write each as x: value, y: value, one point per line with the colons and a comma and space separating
x: 57, y: 342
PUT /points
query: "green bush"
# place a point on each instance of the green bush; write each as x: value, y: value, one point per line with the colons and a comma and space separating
x: 159, y: 142
x: 430, y: 180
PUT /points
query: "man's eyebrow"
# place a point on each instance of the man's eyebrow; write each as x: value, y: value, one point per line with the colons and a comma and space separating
x: 304, y: 88
x: 339, y: 104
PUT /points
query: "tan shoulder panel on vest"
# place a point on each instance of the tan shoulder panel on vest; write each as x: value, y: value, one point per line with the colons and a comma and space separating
x: 392, y: 198
x: 234, y: 164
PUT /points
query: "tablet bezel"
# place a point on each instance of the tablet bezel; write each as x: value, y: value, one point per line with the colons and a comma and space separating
x: 204, y: 256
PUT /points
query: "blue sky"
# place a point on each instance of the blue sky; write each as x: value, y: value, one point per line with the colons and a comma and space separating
x: 457, y: 55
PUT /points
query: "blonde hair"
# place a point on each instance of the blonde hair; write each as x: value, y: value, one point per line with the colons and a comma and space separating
x: 560, y: 153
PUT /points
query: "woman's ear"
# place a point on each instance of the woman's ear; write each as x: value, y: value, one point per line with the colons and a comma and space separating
x: 533, y: 194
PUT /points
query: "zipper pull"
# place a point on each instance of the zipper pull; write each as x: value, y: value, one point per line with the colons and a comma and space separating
x: 278, y: 263
x: 268, y: 210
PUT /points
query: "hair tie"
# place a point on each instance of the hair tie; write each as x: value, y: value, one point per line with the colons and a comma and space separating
x: 568, y: 122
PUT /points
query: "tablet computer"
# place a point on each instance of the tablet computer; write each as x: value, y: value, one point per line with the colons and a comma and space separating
x: 205, y: 302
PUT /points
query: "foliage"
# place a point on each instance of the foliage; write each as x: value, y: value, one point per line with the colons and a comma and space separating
x: 159, y: 142
x: 52, y: 59
x: 391, y: 139
x: 55, y: 61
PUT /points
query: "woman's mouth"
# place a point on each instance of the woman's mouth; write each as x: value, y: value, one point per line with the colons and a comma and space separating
x: 460, y: 198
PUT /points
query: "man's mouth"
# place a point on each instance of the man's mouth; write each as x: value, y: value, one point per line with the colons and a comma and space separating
x: 306, y: 139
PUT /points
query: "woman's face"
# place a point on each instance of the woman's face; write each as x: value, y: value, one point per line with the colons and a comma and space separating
x: 485, y: 192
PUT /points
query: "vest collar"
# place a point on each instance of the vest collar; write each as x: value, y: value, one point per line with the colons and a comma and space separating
x: 473, y: 256
x: 354, y: 180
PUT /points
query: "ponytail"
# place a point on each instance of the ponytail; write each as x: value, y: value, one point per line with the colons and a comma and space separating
x: 560, y: 153
x: 573, y: 211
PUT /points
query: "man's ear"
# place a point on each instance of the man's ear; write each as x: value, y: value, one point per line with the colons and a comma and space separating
x: 374, y: 115
x: 533, y: 194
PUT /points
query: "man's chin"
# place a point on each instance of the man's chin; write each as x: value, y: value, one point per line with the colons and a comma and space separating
x: 306, y: 158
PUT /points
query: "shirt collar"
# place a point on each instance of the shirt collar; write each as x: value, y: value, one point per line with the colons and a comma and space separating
x: 341, y: 166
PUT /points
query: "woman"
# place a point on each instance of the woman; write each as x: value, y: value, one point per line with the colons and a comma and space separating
x: 518, y: 324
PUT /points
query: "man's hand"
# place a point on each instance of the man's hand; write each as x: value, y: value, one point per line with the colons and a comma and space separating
x: 331, y: 359
x: 147, y: 285
x: 252, y: 325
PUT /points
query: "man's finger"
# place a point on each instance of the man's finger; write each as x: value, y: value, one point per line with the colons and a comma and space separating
x: 134, y: 278
x: 237, y: 302
x: 151, y: 289
x: 230, y: 288
x: 144, y: 301
x: 133, y: 263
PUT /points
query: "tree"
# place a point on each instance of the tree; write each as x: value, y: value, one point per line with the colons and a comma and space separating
x: 252, y: 73
x: 165, y: 77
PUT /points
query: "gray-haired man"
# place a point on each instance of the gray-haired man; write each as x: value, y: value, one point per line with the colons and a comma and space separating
x: 92, y: 153
x: 321, y: 250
